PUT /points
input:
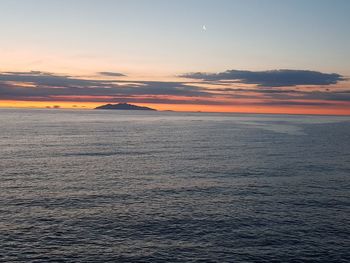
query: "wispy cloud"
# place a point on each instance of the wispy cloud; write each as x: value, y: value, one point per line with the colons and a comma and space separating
x: 111, y: 74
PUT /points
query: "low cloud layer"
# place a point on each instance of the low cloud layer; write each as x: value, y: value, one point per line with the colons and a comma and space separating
x: 16, y: 85
x: 271, y: 78
x: 45, y: 86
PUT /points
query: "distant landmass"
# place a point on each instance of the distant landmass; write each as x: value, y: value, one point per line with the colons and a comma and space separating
x: 122, y: 106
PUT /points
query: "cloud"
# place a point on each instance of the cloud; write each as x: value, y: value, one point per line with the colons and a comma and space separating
x: 45, y: 86
x: 33, y: 72
x: 111, y: 74
x: 38, y: 85
x: 271, y: 78
x: 47, y: 79
x: 329, y: 96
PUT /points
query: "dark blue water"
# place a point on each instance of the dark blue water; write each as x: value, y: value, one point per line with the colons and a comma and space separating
x: 118, y: 186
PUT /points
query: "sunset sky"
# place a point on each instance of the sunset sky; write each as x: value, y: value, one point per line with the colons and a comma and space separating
x: 254, y: 56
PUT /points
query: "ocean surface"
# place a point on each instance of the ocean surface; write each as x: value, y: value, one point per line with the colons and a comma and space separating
x: 128, y: 186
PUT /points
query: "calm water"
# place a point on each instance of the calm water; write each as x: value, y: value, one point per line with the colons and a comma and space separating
x: 114, y: 186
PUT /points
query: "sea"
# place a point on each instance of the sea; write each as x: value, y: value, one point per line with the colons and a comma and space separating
x: 141, y: 186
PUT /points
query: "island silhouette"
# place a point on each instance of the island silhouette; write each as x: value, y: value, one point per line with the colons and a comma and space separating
x: 123, y: 106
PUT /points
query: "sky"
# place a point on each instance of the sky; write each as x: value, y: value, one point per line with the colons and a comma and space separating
x: 259, y: 56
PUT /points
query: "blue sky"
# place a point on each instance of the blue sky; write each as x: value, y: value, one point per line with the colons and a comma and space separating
x: 243, y: 34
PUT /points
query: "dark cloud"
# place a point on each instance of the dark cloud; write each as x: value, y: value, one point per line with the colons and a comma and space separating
x: 47, y: 79
x: 285, y: 94
x: 329, y: 96
x: 271, y: 78
x: 111, y: 74
x: 45, y: 86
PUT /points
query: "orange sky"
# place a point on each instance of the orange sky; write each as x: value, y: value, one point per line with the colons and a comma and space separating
x: 338, y: 110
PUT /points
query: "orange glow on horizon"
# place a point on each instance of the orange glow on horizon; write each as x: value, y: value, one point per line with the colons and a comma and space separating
x: 243, y: 108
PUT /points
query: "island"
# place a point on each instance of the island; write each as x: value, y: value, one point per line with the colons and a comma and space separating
x: 122, y: 106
